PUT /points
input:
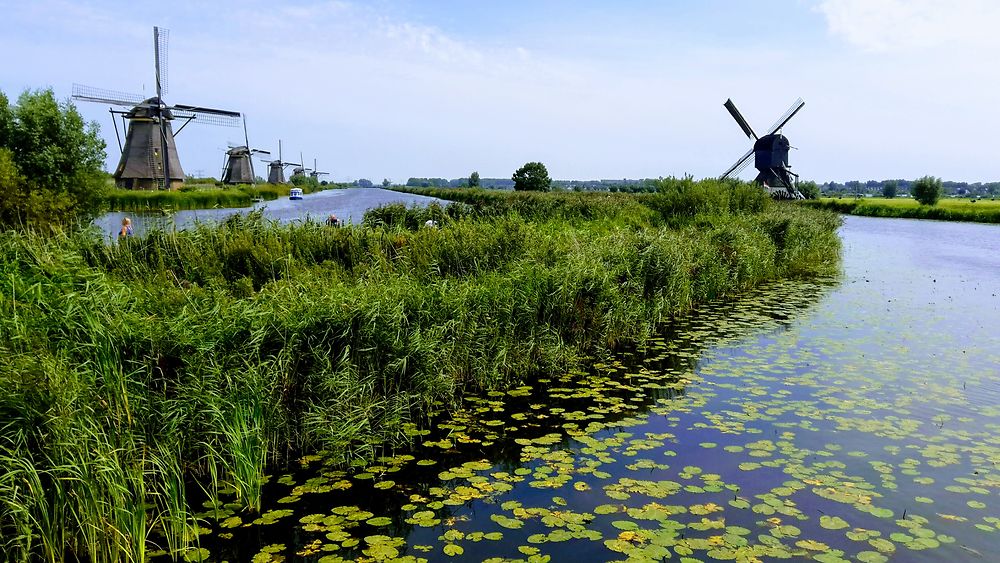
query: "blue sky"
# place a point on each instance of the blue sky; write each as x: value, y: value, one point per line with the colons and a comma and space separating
x: 400, y: 88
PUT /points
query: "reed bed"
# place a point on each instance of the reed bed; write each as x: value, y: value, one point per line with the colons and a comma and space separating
x: 977, y: 211
x: 133, y: 374
x: 200, y: 197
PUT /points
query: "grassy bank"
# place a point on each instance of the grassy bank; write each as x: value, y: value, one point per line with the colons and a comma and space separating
x: 979, y: 211
x: 129, y: 371
x: 201, y: 197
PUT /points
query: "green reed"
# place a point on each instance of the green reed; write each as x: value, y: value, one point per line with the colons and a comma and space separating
x: 138, y: 375
x: 971, y: 210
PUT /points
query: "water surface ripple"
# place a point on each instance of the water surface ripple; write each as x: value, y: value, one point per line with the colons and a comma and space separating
x: 851, y: 420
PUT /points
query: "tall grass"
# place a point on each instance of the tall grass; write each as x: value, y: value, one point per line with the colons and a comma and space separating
x: 200, y: 197
x: 978, y: 211
x: 131, y: 372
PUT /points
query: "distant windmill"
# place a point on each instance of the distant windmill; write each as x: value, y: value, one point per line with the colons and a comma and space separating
x: 149, y: 158
x: 276, y: 168
x: 238, y: 168
x: 316, y: 173
x: 770, y: 154
x: 300, y: 169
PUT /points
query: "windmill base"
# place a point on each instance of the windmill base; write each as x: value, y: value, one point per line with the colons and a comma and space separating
x: 148, y: 184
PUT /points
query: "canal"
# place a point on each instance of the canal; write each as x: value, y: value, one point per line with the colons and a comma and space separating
x: 847, y: 419
x: 349, y: 205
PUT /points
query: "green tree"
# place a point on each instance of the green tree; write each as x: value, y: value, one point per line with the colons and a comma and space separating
x: 927, y: 190
x: 890, y: 188
x: 50, y: 163
x: 306, y: 182
x: 474, y: 180
x: 809, y: 189
x: 533, y: 176
x: 386, y: 182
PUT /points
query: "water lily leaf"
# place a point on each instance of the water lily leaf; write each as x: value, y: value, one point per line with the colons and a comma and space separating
x: 833, y: 522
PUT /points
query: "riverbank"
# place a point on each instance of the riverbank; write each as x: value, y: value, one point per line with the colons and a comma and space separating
x: 201, y: 197
x: 977, y: 211
x: 209, y: 355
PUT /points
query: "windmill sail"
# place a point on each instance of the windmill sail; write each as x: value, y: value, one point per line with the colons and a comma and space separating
x: 769, y: 154
x: 149, y: 157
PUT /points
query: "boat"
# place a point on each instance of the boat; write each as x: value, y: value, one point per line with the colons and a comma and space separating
x: 295, y: 193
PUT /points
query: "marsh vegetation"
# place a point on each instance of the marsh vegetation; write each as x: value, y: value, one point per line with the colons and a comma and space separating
x: 139, y: 379
x: 950, y: 209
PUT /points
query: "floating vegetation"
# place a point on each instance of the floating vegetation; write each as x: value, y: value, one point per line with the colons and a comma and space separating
x: 747, y: 444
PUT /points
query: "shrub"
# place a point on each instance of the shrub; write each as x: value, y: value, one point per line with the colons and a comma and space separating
x: 532, y: 177
x: 50, y: 163
x: 927, y: 190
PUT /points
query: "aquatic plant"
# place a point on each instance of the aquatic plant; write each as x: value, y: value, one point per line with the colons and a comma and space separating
x: 133, y: 374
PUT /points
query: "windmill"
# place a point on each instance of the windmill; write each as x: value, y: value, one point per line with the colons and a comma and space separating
x: 315, y: 174
x: 770, y: 154
x: 300, y: 169
x: 238, y: 168
x: 149, y: 157
x: 276, y: 168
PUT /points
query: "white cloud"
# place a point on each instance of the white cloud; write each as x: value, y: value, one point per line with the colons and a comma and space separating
x: 906, y: 25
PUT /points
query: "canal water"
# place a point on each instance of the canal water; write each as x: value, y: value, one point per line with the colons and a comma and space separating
x: 849, y: 419
x: 349, y: 205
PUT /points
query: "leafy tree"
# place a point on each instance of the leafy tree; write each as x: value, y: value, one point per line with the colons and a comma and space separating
x: 927, y: 190
x: 304, y: 181
x: 50, y: 163
x: 532, y: 177
x: 809, y: 189
x: 386, y: 182
x: 474, y: 180
x: 890, y: 188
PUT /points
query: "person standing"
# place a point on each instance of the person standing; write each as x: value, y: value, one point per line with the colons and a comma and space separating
x: 126, y: 230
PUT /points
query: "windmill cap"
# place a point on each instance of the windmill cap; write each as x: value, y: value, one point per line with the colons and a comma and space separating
x: 148, y: 108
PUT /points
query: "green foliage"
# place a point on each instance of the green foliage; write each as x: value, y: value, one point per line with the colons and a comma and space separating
x: 890, y: 188
x: 809, y: 189
x: 306, y: 182
x: 474, y: 180
x: 50, y: 163
x: 927, y: 190
x: 200, y: 357
x: 532, y: 177
x: 982, y: 211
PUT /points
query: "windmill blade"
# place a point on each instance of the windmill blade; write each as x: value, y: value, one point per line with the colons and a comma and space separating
x: 788, y: 115
x: 102, y: 96
x: 260, y: 151
x: 199, y: 109
x: 729, y: 105
x: 161, y: 38
x: 208, y: 116
x: 739, y: 166
x: 208, y: 119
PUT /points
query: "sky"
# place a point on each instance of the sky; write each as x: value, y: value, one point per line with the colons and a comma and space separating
x: 627, y: 89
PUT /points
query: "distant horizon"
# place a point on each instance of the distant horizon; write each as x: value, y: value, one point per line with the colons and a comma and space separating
x: 398, y: 88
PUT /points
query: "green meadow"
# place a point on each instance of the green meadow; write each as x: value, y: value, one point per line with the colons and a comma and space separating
x: 947, y: 209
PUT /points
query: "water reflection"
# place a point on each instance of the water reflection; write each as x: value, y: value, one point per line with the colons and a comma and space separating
x: 551, y: 412
x: 349, y: 205
x: 854, y: 420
